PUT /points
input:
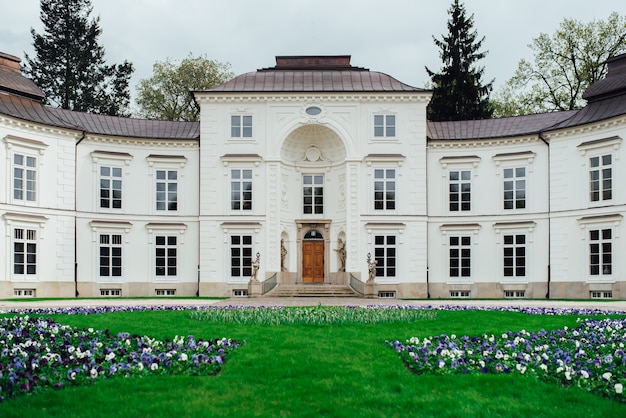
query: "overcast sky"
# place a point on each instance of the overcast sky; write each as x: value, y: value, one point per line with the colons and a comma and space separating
x: 391, y: 36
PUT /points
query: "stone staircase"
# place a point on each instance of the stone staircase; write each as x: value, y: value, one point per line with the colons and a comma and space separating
x: 320, y: 290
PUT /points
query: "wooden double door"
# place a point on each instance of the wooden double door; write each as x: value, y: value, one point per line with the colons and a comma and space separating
x: 313, y: 261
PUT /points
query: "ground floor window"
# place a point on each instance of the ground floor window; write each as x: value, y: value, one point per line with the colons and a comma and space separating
x: 600, y: 252
x: 460, y: 256
x: 514, y: 255
x: 240, y: 256
x: 385, y: 255
x: 24, y: 251
x: 166, y: 253
x: 110, y: 255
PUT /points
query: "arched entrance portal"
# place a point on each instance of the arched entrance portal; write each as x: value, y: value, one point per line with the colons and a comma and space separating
x: 313, y: 257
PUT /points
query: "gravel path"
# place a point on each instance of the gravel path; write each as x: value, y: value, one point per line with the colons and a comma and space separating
x: 307, y: 301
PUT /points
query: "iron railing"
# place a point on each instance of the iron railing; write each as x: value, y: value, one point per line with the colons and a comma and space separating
x: 268, y: 284
x: 357, y: 285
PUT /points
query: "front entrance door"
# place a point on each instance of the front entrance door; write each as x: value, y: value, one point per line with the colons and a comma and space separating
x: 313, y: 261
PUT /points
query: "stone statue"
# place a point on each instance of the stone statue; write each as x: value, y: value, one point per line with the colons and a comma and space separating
x: 283, y: 255
x: 255, y: 268
x: 341, y: 253
x: 371, y: 266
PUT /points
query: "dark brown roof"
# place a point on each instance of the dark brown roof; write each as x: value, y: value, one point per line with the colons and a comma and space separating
x: 613, y: 84
x: 313, y: 74
x: 12, y: 81
x: 33, y: 111
x: 496, y: 128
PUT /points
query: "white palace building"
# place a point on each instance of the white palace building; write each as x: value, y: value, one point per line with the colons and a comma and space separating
x: 312, y: 174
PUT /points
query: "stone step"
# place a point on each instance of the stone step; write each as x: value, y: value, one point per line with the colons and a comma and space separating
x: 312, y: 290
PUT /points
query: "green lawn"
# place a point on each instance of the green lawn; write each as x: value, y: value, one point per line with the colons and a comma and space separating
x: 306, y: 370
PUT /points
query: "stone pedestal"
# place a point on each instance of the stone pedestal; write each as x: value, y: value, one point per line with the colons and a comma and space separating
x: 254, y: 289
x: 370, y: 290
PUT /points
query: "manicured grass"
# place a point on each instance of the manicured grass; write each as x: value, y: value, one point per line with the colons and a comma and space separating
x: 316, y: 370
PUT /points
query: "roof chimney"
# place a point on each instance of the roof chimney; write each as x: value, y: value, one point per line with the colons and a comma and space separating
x: 10, y: 63
x: 616, y: 65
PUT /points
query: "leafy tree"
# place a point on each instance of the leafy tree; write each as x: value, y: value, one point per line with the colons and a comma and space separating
x: 167, y: 94
x: 69, y: 65
x: 458, y: 92
x: 564, y: 65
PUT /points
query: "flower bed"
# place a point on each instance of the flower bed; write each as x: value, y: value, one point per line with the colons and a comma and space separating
x: 591, y: 356
x: 36, y: 353
x: 317, y: 315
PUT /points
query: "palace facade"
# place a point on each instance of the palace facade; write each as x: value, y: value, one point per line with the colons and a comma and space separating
x: 313, y: 172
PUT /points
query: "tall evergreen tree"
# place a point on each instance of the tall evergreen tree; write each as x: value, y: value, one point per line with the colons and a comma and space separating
x: 69, y: 65
x: 458, y: 92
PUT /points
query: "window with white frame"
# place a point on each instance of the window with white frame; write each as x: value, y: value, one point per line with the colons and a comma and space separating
x: 241, y: 126
x: 240, y: 256
x: 166, y: 190
x: 24, y: 252
x: 514, y: 188
x: 601, y: 178
x: 460, y: 190
x: 384, y: 189
x: 165, y: 255
x: 110, y: 255
x: 24, y: 177
x: 241, y: 189
x: 460, y: 256
x: 385, y: 255
x: 514, y: 255
x: 384, y: 126
x: 600, y: 252
x: 313, y: 194
x: 110, y: 187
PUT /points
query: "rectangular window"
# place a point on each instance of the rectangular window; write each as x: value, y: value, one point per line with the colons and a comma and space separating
x: 460, y: 256
x: 110, y: 292
x: 460, y: 294
x: 385, y: 255
x: 515, y: 188
x: 25, y: 251
x: 606, y: 294
x: 600, y: 252
x: 166, y: 190
x: 241, y: 126
x: 241, y: 189
x: 600, y: 178
x: 514, y: 294
x: 110, y: 255
x: 24, y: 177
x: 384, y: 126
x: 111, y: 187
x: 313, y: 194
x: 514, y: 255
x: 165, y: 255
x: 460, y: 190
x: 384, y: 189
x: 241, y: 256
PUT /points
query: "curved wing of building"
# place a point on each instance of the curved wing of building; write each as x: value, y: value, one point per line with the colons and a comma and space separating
x: 312, y: 174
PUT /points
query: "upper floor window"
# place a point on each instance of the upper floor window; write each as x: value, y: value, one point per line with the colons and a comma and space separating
x: 385, y: 189
x: 600, y: 178
x: 313, y: 194
x: 241, y: 126
x: 166, y: 190
x: 24, y: 177
x: 514, y: 188
x: 111, y: 187
x: 460, y: 190
x: 384, y: 126
x: 241, y: 189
